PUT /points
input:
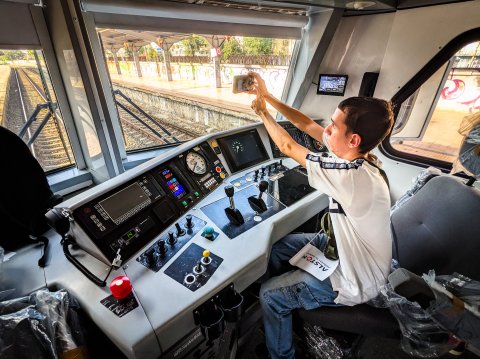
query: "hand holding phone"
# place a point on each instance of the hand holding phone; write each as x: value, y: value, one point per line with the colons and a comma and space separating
x: 242, y: 83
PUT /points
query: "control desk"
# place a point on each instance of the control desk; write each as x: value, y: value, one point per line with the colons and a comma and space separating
x: 182, y: 227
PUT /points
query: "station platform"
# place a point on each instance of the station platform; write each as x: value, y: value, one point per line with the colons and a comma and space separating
x: 193, y: 90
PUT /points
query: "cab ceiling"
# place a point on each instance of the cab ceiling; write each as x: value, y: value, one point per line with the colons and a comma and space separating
x: 301, y: 7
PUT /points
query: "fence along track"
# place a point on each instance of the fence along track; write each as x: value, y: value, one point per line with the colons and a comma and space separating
x: 48, y: 147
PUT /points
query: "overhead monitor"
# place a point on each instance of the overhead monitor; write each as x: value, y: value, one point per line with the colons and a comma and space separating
x: 330, y: 84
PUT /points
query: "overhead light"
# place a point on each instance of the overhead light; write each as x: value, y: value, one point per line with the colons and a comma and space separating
x: 359, y: 5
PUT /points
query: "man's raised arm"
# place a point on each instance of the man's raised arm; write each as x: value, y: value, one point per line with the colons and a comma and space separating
x: 297, y: 118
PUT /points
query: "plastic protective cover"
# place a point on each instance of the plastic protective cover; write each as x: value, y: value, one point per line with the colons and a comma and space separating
x: 457, y: 308
x: 320, y: 345
x: 417, y: 183
x: 421, y: 335
x: 468, y: 159
x: 42, y: 325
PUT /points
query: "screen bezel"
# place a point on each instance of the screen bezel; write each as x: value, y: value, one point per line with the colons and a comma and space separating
x: 229, y: 156
x: 319, y: 92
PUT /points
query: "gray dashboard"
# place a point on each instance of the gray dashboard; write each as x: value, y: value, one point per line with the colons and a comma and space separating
x: 165, y: 305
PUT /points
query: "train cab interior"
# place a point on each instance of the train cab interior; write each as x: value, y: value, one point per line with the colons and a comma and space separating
x: 139, y: 181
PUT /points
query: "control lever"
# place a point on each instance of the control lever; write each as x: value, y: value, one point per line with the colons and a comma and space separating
x: 180, y: 231
x: 257, y: 203
x: 151, y: 256
x: 232, y: 213
x: 189, y: 224
x: 171, y: 238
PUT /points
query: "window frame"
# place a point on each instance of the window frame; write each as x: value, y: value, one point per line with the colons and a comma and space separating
x: 440, y: 59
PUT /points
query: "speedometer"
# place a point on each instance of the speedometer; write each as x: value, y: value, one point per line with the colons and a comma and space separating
x: 196, y: 163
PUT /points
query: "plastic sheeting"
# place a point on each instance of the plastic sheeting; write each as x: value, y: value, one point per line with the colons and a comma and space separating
x: 456, y: 306
x: 421, y: 336
x: 42, y: 325
x: 469, y: 155
x: 417, y: 183
x: 320, y: 345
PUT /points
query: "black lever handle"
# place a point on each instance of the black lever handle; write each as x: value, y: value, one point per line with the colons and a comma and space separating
x: 262, y: 186
x: 229, y: 190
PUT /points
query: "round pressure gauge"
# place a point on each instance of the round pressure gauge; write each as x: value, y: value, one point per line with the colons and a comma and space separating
x: 237, y: 146
x: 196, y: 163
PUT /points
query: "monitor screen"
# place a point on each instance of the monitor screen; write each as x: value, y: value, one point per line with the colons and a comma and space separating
x: 123, y: 204
x: 242, y: 150
x: 332, y: 84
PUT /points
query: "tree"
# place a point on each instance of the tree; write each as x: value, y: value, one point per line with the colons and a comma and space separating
x: 12, y: 55
x: 194, y: 44
x: 257, y: 45
x: 231, y: 47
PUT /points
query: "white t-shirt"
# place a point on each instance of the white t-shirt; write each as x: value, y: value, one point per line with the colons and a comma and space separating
x: 360, y: 212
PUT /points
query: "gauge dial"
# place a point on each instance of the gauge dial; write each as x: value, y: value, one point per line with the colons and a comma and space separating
x: 237, y: 146
x: 196, y: 163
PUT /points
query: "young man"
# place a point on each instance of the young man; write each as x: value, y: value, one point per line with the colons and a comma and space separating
x: 359, y: 204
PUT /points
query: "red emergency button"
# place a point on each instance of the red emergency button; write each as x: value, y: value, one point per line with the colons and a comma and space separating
x: 121, y: 287
x: 218, y: 169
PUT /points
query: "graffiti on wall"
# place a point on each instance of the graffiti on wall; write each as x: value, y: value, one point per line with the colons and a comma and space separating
x: 463, y: 91
x: 274, y: 76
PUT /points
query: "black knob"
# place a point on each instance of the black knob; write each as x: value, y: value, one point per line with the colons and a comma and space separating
x: 180, y: 231
x: 263, y: 171
x: 256, y: 172
x: 229, y: 190
x: 171, y: 238
x: 161, y: 247
x: 262, y: 186
x: 151, y: 256
x: 281, y: 163
x: 188, y: 217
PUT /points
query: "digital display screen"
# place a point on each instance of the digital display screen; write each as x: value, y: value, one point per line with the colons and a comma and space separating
x: 332, y: 84
x: 243, y: 150
x: 124, y: 202
x: 173, y: 184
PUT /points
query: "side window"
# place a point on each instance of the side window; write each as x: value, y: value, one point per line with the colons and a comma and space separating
x: 449, y: 100
x: 173, y: 87
x: 28, y: 107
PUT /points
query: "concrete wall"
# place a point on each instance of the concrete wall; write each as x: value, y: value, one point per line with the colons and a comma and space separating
x: 192, y: 115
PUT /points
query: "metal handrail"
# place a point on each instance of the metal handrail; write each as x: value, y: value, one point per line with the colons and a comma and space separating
x: 138, y: 108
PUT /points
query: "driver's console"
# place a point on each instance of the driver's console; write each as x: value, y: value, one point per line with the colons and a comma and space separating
x: 191, y: 229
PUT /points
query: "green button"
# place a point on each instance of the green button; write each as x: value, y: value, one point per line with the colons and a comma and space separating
x: 208, y: 232
x: 184, y: 203
x: 196, y: 194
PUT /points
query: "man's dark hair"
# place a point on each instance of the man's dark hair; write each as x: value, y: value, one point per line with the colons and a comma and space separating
x: 369, y: 117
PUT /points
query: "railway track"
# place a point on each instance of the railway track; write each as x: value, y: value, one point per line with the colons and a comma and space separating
x: 154, y: 131
x: 52, y: 148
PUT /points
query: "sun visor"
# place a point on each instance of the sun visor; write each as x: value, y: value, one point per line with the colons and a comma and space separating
x: 192, y: 18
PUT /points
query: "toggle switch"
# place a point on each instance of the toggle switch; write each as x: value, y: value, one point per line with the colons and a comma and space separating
x: 180, y: 231
x: 206, y: 259
x: 171, y: 238
x: 189, y: 224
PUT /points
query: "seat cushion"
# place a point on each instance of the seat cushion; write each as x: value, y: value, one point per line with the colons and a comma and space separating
x: 362, y: 318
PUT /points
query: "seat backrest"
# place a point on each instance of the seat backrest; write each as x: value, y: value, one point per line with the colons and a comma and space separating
x: 25, y: 194
x: 439, y: 228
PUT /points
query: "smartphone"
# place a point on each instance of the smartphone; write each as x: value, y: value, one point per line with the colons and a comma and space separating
x: 242, y: 83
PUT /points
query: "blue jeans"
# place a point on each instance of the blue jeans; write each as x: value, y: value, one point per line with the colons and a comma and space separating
x: 291, y: 290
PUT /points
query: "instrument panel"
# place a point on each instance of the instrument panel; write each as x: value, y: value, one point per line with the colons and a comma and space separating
x: 128, y: 217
